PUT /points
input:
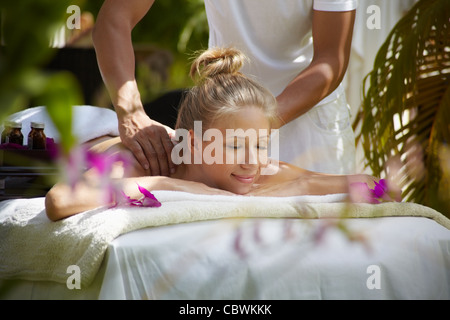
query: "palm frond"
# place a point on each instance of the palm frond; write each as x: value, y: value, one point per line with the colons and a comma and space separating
x: 405, y: 112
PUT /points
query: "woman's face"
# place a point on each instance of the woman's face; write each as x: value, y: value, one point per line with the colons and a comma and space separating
x: 234, y: 149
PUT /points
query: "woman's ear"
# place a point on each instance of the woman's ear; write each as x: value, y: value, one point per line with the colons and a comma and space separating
x: 191, y: 141
x: 195, y: 146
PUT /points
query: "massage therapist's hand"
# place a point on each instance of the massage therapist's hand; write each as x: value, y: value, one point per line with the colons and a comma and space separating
x: 149, y: 141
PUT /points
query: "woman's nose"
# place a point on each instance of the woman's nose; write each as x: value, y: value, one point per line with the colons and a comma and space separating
x: 251, y: 157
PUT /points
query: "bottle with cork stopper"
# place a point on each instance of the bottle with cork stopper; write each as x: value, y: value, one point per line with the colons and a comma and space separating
x: 36, y: 137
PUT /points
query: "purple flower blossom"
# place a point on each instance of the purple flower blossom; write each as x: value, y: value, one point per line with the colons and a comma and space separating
x: 148, y: 199
x: 123, y: 200
x: 81, y: 159
x: 74, y: 165
x: 360, y: 191
x: 53, y: 148
x: 380, y: 189
x: 12, y: 146
x: 103, y: 162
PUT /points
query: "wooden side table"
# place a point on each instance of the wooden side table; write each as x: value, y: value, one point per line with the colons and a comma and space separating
x: 26, y: 173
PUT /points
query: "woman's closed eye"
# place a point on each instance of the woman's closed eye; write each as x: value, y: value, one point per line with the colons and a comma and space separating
x: 262, y: 146
x: 235, y: 147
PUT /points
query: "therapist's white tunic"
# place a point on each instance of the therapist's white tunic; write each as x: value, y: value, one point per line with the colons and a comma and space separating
x: 276, y: 36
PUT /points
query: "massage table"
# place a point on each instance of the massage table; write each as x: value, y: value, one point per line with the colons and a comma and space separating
x: 204, y: 247
x: 226, y: 247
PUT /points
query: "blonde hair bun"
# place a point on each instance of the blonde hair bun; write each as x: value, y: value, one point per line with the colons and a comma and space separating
x: 221, y: 90
x: 215, y: 61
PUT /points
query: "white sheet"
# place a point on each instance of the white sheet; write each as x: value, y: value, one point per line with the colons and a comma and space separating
x: 194, y: 247
x: 47, y: 248
x: 82, y: 239
x: 201, y: 260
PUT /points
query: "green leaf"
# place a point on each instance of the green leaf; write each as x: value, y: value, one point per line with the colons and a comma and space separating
x: 60, y: 94
x: 406, y: 102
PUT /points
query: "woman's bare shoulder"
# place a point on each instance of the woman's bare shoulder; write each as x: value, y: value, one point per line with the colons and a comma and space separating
x: 111, y: 146
x: 103, y: 143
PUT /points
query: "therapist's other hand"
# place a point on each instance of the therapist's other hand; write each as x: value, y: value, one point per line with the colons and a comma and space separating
x: 149, y: 141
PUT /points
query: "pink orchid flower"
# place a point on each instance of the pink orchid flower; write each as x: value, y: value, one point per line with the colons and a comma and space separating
x: 380, y: 189
x: 360, y: 192
x: 103, y: 163
x: 123, y: 200
x: 148, y: 199
x: 81, y: 159
x: 53, y: 149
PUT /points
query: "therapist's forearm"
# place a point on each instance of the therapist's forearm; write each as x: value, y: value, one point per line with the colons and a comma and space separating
x: 115, y: 54
x: 332, y: 34
x: 307, y: 89
x: 116, y: 62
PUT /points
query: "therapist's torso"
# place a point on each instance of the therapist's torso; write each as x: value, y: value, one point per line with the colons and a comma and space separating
x: 275, y: 35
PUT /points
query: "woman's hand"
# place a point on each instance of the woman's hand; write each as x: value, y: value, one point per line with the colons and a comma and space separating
x: 372, y: 190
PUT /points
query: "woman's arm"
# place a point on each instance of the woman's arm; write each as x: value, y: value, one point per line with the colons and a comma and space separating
x: 125, y: 174
x: 63, y: 201
x: 291, y: 180
x: 311, y: 184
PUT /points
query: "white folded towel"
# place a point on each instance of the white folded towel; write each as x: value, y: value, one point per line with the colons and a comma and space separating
x: 88, y: 122
x: 34, y: 248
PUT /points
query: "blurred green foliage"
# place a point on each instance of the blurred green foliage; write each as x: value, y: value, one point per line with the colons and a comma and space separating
x: 27, y: 27
x: 178, y: 27
x: 170, y: 24
x: 404, y: 119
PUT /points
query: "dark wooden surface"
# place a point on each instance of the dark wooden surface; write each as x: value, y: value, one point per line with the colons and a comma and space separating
x: 26, y: 173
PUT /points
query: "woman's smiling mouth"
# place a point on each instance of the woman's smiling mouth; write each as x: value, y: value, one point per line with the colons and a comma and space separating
x: 244, y: 178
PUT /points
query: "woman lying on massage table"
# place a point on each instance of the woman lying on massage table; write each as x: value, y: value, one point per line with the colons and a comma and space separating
x: 237, y: 112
